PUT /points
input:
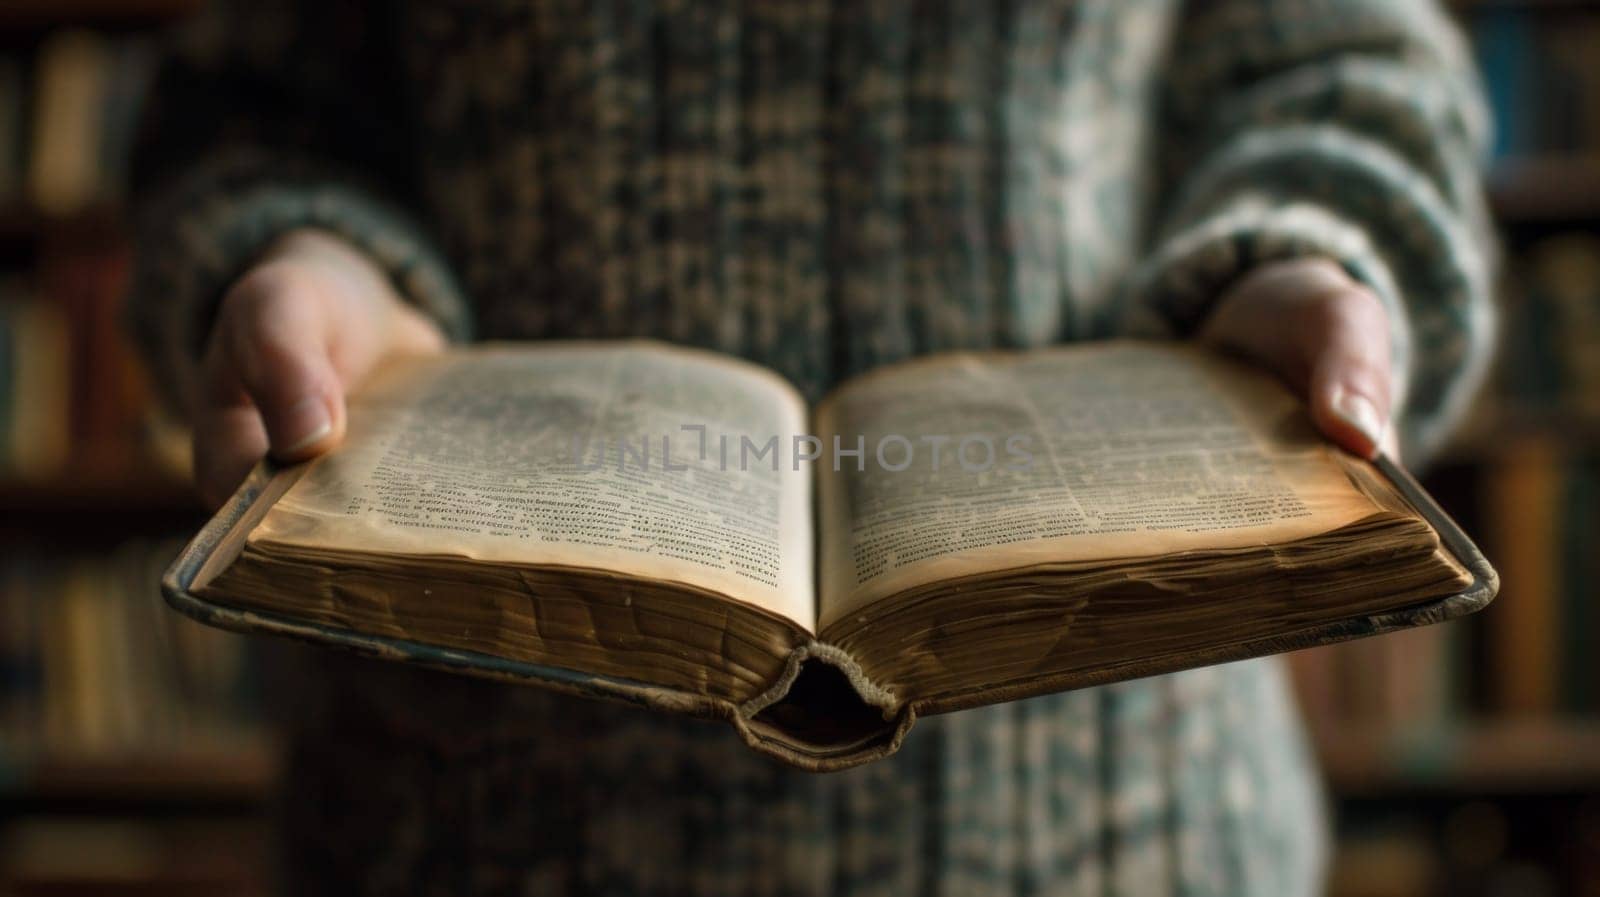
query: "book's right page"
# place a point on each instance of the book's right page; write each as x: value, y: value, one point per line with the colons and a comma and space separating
x: 975, y: 463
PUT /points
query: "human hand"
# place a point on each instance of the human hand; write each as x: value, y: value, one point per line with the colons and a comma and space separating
x: 293, y: 334
x: 1326, y: 335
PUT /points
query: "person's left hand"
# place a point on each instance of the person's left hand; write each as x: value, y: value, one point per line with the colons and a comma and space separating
x: 1326, y: 335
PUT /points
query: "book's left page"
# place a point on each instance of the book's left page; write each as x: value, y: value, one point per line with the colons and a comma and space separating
x: 602, y: 456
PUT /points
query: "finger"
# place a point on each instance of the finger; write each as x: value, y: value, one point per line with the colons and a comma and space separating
x: 274, y: 339
x: 1350, y: 378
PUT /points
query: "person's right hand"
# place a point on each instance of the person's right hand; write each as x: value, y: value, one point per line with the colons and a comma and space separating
x: 291, y: 337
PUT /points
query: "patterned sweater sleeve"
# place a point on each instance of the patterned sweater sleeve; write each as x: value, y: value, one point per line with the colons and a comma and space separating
x: 1352, y: 129
x: 266, y: 117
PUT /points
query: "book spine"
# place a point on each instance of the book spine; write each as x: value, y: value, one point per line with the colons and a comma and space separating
x: 12, y: 91
x: 41, y: 389
x: 1580, y: 624
x: 1523, y: 502
x: 108, y: 397
x: 64, y: 173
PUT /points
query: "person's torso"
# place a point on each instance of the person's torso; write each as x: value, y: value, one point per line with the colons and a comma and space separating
x: 818, y: 186
x: 822, y: 187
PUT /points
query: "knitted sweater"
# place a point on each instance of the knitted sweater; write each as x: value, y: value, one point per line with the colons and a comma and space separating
x: 820, y: 186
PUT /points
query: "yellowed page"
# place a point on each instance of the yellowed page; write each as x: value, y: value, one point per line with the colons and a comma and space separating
x: 600, y: 455
x: 1098, y: 452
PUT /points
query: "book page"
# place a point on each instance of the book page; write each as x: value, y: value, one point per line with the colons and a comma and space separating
x: 607, y: 456
x: 972, y: 464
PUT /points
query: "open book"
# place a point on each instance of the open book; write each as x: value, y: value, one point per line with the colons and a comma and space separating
x: 678, y: 529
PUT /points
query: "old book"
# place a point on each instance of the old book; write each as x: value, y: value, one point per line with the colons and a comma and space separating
x: 678, y: 529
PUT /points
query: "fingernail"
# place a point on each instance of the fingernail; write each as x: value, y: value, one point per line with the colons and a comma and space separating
x: 1358, y: 411
x: 308, y: 416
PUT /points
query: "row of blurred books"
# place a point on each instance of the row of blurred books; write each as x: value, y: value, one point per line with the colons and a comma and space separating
x: 1540, y: 519
x: 73, y: 396
x: 1477, y: 849
x: 68, y: 109
x: 1538, y: 483
x: 1550, y: 353
x: 35, y: 387
x: 108, y: 696
x: 92, y: 659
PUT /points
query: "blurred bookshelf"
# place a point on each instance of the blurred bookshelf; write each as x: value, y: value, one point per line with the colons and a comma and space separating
x: 1487, y: 756
x: 1556, y: 189
x: 231, y: 767
x: 1464, y: 759
x: 133, y: 755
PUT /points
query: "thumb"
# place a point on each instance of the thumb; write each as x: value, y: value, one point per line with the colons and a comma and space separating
x: 1326, y: 335
x: 281, y: 358
x: 1350, y: 380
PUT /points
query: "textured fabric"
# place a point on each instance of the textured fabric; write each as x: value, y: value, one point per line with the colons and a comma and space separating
x: 822, y: 187
x: 408, y: 782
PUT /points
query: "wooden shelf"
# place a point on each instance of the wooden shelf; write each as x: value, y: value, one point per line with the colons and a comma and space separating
x: 93, y: 510
x: 23, y: 222
x: 137, y: 489
x: 18, y: 15
x: 1546, y: 189
x: 238, y: 768
x: 1489, y: 433
x: 1480, y: 756
x: 1540, y: 6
